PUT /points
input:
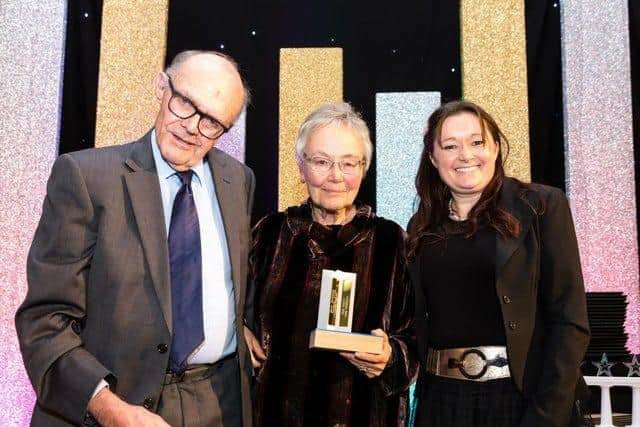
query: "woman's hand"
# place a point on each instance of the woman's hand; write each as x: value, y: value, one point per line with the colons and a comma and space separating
x: 371, y: 364
x: 255, y: 350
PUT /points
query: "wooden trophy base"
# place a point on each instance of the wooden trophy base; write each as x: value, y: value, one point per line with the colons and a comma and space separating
x: 345, y: 341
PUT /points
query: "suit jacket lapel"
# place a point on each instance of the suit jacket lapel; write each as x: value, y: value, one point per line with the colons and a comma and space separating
x: 144, y: 192
x: 228, y: 192
x: 510, y: 201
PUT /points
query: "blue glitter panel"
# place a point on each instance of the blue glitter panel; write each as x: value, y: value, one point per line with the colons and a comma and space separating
x: 401, y: 118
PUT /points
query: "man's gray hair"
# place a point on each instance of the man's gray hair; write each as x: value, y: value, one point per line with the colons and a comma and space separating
x: 183, y: 56
x: 338, y: 112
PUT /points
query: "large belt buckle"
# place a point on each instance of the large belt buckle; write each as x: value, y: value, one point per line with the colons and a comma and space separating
x: 472, y: 364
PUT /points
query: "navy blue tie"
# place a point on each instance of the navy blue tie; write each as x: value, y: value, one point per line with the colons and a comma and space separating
x: 185, y: 261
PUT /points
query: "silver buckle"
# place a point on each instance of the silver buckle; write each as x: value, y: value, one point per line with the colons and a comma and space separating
x: 469, y: 363
x: 473, y: 364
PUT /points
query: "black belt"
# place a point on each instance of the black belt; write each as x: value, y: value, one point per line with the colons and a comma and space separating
x: 197, y: 372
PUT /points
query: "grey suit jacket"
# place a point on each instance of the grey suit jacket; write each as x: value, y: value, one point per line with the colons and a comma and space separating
x: 98, y: 304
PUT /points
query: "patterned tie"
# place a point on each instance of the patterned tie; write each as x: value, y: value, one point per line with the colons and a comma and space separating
x: 185, y: 261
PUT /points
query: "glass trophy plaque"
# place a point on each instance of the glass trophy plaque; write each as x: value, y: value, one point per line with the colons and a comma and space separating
x: 335, y: 316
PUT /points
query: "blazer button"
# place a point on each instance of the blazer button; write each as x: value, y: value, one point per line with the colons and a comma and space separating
x: 148, y: 402
x: 506, y: 299
x: 513, y: 325
x: 162, y: 348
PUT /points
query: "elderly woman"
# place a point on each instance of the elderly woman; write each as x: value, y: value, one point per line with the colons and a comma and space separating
x: 501, y: 318
x: 296, y: 386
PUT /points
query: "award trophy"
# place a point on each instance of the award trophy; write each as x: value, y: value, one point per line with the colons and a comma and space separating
x: 335, y: 314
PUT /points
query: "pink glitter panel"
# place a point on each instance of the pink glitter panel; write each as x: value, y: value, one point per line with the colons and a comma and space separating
x: 599, y: 148
x: 31, y: 55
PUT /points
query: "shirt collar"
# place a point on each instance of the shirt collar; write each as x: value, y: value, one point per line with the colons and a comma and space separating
x: 163, y: 168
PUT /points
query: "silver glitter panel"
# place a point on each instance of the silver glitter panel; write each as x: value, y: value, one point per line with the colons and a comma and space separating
x: 233, y: 142
x: 31, y: 55
x: 401, y: 118
x: 599, y: 148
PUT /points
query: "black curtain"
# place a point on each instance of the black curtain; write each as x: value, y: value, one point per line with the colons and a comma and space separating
x: 80, y: 76
x: 544, y: 76
x: 406, y: 46
x: 399, y: 47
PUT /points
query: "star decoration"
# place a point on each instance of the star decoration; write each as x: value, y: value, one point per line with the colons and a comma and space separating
x: 604, y: 366
x: 633, y: 366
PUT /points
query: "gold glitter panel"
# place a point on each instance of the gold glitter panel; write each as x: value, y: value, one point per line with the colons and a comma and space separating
x: 132, y: 51
x: 308, y: 77
x: 494, y: 71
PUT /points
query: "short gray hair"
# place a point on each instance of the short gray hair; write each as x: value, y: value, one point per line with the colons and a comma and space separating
x: 183, y: 56
x: 326, y: 114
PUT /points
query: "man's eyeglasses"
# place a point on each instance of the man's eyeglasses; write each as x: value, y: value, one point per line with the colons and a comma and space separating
x: 323, y: 165
x: 183, y: 107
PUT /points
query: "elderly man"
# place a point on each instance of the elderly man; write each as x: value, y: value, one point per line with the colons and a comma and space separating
x: 137, y: 270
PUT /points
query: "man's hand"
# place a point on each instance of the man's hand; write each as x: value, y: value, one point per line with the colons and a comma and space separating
x: 370, y: 364
x: 110, y: 411
x: 255, y: 350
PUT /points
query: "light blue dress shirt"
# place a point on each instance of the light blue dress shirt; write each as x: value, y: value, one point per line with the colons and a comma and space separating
x: 218, y: 297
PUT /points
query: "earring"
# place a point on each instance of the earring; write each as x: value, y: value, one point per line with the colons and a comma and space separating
x: 302, y: 181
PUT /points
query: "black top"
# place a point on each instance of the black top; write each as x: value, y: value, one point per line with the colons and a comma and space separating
x: 458, y: 280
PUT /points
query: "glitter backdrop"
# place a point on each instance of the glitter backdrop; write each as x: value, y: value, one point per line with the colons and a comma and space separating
x: 401, y: 118
x: 598, y: 121
x: 494, y: 65
x: 308, y: 78
x: 31, y: 55
x: 599, y: 148
x: 132, y: 51
x: 233, y: 142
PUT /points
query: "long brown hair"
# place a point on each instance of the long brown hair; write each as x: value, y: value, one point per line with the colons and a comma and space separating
x: 434, y: 195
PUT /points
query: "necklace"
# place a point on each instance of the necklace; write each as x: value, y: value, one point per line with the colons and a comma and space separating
x: 453, y: 214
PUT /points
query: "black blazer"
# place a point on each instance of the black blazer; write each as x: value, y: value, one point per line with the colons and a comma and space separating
x: 539, y: 284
